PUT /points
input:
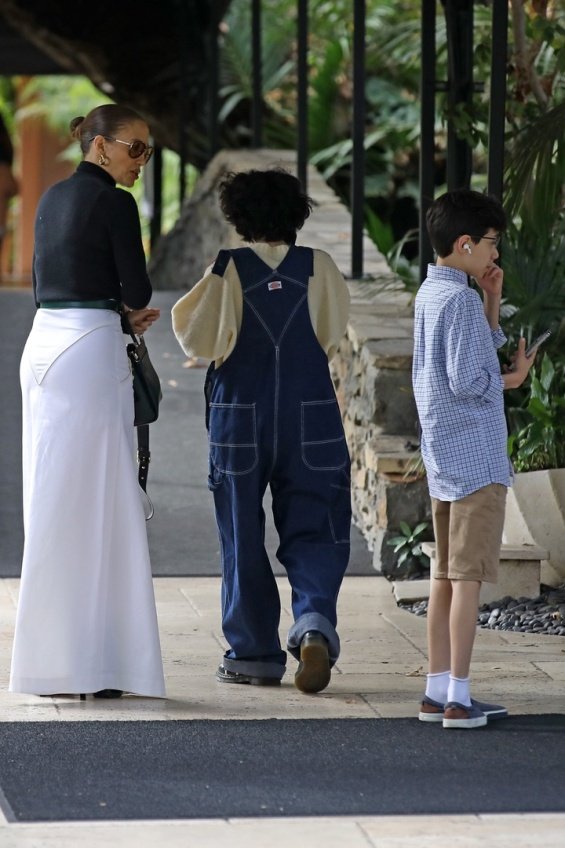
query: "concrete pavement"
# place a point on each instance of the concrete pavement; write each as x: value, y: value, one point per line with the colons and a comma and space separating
x: 380, y: 674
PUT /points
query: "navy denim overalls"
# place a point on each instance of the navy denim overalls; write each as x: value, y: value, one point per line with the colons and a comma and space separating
x: 274, y: 420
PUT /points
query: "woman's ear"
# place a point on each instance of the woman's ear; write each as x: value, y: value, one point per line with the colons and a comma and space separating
x: 98, y: 151
x: 98, y: 143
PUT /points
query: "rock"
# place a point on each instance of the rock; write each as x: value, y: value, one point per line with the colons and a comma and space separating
x: 523, y: 615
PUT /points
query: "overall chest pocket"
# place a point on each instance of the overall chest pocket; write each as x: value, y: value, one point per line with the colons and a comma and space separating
x: 233, y: 437
x: 322, y: 436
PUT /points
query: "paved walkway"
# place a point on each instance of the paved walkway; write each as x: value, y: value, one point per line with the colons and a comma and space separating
x: 380, y: 674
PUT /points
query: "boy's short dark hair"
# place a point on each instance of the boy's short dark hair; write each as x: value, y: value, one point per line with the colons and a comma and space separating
x: 264, y: 205
x: 461, y: 212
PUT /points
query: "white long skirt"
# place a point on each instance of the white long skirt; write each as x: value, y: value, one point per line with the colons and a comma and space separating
x: 86, y: 616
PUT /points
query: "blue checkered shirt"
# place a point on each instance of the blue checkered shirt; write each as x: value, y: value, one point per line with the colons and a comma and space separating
x: 458, y: 388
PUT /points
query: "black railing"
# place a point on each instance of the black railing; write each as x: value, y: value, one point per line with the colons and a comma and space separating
x: 257, y: 97
x: 427, y: 127
x: 358, y: 134
x: 497, y: 97
x: 459, y: 87
x: 302, y: 93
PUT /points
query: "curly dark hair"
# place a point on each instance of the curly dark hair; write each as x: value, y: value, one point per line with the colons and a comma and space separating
x: 264, y: 205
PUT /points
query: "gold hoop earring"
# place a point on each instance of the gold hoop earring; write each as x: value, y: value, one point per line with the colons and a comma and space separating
x: 103, y: 159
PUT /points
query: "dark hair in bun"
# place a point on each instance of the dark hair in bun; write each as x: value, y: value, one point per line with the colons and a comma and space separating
x: 104, y: 120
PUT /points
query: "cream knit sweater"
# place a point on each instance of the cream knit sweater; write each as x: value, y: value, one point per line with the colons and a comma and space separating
x: 207, y: 320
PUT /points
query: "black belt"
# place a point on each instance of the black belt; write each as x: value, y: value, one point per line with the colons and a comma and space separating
x: 81, y: 304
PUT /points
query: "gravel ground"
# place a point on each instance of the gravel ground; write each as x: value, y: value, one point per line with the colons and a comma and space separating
x: 544, y: 614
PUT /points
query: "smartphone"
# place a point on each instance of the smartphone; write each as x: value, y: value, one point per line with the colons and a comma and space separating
x: 534, y: 345
x: 537, y: 342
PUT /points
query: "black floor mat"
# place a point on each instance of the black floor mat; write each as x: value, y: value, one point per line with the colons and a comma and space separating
x: 53, y: 771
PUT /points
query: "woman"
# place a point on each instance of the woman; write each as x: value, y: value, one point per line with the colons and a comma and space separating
x: 86, y: 620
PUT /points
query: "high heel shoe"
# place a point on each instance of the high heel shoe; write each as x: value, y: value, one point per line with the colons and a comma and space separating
x: 108, y: 693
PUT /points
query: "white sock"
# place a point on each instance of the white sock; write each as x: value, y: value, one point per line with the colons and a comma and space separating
x: 436, y: 686
x: 459, y: 691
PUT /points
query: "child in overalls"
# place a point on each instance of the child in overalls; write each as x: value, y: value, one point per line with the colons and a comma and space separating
x: 270, y: 316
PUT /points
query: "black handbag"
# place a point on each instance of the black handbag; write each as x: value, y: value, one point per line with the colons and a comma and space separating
x: 147, y: 392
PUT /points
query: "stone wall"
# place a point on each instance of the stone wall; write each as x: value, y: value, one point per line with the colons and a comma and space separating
x: 372, y: 373
x: 372, y: 367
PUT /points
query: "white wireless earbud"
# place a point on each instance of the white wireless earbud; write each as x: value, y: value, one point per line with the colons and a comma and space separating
x: 467, y: 247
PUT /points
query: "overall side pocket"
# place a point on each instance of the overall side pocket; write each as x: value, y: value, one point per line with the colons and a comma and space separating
x: 233, y: 437
x: 322, y: 437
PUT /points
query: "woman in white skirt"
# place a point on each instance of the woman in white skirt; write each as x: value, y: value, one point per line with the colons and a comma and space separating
x: 86, y: 619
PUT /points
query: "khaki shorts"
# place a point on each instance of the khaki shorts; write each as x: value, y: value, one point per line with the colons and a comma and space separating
x: 469, y: 534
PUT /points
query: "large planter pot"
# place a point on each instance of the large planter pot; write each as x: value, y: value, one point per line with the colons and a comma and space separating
x: 535, y: 515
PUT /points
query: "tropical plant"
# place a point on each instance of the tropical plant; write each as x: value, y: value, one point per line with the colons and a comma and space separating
x: 236, y: 74
x: 411, y: 560
x: 534, y: 248
x: 540, y: 443
x: 382, y: 235
x: 7, y: 103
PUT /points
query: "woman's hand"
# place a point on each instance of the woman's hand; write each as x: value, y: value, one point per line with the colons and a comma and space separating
x: 141, y: 319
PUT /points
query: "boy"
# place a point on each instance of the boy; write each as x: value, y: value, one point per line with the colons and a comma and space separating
x: 458, y: 389
x: 270, y: 316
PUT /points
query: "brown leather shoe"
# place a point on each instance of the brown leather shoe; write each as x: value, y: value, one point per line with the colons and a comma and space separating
x: 314, y: 672
x: 430, y: 710
x: 465, y: 718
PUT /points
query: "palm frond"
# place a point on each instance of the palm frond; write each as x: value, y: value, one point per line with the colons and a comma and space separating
x: 535, y: 170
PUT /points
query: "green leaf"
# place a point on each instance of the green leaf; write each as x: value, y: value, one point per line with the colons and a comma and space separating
x: 405, y: 529
x: 397, y: 540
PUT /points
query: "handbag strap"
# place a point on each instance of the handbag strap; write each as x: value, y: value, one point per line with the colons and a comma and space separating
x: 143, y: 452
x: 143, y: 460
x: 143, y: 455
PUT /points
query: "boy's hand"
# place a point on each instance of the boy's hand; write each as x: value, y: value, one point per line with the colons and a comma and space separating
x: 141, y: 319
x: 517, y: 372
x: 491, y: 281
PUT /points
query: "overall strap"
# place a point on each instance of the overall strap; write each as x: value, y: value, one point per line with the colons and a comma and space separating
x: 221, y: 263
x: 300, y: 261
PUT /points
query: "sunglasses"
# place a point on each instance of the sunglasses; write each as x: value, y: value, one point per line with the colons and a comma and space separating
x: 136, y: 148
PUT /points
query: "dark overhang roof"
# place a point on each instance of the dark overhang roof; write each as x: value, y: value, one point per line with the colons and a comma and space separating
x: 21, y: 57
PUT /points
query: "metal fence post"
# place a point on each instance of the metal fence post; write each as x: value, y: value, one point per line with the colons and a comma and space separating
x: 427, y: 128
x: 459, y: 24
x: 302, y: 93
x: 358, y: 133
x: 213, y: 82
x: 497, y: 98
x: 155, y: 192
x: 257, y: 98
x: 183, y: 97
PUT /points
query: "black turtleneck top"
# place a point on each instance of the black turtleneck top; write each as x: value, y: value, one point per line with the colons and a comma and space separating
x: 88, y: 242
